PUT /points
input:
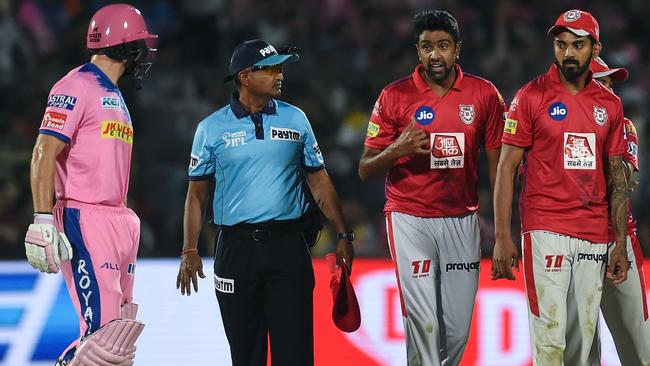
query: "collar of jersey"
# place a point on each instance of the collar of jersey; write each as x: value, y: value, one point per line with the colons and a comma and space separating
x: 554, y: 75
x: 422, y: 86
x: 241, y: 112
x: 103, y: 80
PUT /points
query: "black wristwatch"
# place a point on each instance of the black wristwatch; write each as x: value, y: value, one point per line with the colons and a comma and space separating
x: 349, y: 235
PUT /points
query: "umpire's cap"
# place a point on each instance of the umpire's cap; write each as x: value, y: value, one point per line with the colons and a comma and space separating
x: 257, y: 52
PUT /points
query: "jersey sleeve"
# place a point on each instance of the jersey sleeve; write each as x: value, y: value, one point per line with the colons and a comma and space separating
x: 632, y: 140
x: 202, y: 163
x: 312, y: 157
x: 382, y: 128
x: 495, y: 109
x: 615, y: 145
x: 64, y: 110
x: 518, y: 125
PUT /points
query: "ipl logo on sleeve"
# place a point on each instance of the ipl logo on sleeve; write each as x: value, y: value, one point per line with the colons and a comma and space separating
x: 424, y: 115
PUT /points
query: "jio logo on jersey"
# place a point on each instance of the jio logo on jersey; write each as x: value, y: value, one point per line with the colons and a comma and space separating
x: 558, y: 111
x: 425, y: 115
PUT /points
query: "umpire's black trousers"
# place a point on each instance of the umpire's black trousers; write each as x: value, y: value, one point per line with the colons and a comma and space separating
x: 264, y: 281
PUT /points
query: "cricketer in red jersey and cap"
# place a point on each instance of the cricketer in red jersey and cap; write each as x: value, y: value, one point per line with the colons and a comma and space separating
x: 569, y: 131
x: 625, y: 305
x: 424, y: 135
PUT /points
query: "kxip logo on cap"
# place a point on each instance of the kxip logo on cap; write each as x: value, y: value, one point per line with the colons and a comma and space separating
x: 425, y: 115
x: 558, y: 111
x: 571, y: 16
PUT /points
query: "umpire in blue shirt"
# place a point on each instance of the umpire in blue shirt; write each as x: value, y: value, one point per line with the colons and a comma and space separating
x: 269, y: 177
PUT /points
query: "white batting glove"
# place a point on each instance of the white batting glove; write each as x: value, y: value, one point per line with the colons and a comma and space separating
x: 45, y: 247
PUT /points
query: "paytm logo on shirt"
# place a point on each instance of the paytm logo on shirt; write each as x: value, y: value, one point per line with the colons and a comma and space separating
x: 425, y: 115
x: 558, y: 111
x: 286, y: 134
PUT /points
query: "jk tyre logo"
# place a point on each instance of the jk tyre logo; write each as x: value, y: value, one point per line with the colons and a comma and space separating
x: 558, y: 111
x: 424, y: 115
x: 117, y: 130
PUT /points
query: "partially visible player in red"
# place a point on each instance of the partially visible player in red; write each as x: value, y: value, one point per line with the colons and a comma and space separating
x: 424, y: 135
x: 625, y: 305
x: 569, y: 131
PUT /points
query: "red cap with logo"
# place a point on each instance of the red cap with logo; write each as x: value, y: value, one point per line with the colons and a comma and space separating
x: 345, y: 310
x: 577, y: 22
x: 601, y: 70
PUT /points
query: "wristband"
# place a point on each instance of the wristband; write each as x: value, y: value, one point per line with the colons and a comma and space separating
x: 189, y: 250
x: 43, y: 218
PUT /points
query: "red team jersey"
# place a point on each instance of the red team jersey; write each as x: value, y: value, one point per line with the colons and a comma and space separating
x: 442, y: 183
x: 632, y: 157
x: 567, y: 140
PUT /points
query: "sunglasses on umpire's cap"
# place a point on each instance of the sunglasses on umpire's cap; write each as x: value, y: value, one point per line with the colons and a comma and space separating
x: 577, y: 22
x: 258, y: 53
x: 345, y: 308
x: 601, y: 70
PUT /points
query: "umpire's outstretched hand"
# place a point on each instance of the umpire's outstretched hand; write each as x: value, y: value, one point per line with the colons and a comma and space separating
x: 191, y: 264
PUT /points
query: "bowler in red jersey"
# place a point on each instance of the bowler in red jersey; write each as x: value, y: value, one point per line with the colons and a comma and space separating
x: 424, y: 136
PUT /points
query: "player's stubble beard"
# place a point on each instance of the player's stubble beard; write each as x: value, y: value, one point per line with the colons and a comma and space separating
x: 572, y: 73
x: 438, y: 76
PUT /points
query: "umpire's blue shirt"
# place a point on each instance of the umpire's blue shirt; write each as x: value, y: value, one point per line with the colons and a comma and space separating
x: 257, y: 161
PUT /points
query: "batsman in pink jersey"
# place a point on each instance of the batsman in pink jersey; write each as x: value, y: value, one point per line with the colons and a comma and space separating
x: 569, y: 131
x: 625, y: 305
x: 82, y: 157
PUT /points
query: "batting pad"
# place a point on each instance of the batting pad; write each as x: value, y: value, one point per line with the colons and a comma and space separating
x: 129, y: 310
x: 111, y: 345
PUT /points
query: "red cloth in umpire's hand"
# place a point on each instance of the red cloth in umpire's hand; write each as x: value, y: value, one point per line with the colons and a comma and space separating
x: 345, y: 310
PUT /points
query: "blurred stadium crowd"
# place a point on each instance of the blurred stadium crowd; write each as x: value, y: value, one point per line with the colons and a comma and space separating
x: 350, y: 50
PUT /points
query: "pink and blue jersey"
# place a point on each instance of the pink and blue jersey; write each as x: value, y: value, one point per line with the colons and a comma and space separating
x: 87, y: 111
